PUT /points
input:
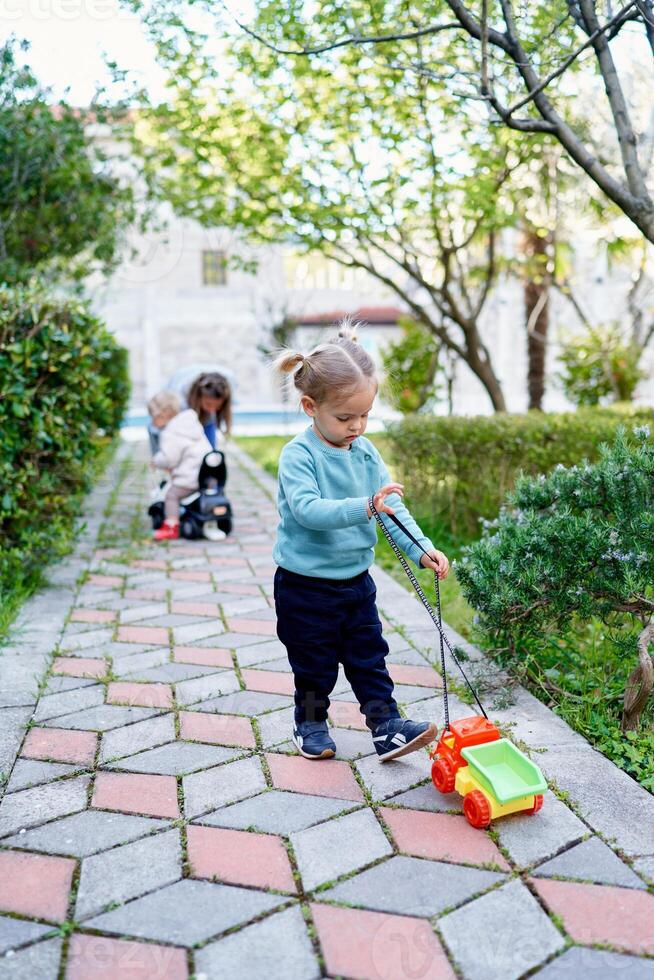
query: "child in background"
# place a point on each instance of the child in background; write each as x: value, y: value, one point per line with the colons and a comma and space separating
x: 183, y: 446
x: 324, y: 594
x: 210, y: 396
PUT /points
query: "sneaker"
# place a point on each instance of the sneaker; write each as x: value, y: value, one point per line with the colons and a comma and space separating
x: 167, y: 532
x: 398, y: 737
x: 312, y: 740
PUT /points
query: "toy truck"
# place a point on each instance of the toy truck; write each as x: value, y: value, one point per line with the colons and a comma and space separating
x: 489, y: 772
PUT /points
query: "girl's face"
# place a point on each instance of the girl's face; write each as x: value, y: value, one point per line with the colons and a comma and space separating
x: 338, y: 423
x: 211, y: 405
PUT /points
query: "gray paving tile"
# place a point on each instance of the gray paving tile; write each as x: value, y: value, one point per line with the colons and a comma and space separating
x: 204, y: 791
x: 388, y: 778
x: 351, y: 744
x: 579, y: 963
x: 244, y: 703
x: 531, y: 839
x: 427, y: 797
x: 31, y: 807
x: 511, y: 933
x: 84, y: 641
x: 119, y: 742
x: 12, y: 731
x: 37, y: 962
x: 58, y: 683
x: 236, y: 641
x: 134, y: 614
x: 102, y: 718
x: 645, y: 867
x: 407, y: 655
x: 117, y: 651
x: 197, y: 634
x: 176, y: 758
x: 55, y: 705
x: 173, y: 619
x: 127, y: 871
x: 592, y: 860
x: 321, y: 855
x: 141, y: 661
x: 169, y: 673
x: 186, y: 912
x: 85, y: 833
x: 276, y: 726
x: 411, y: 886
x: 201, y: 688
x: 277, y: 948
x: 15, y: 932
x: 410, y: 693
x: 261, y: 653
x: 277, y: 812
x: 29, y: 772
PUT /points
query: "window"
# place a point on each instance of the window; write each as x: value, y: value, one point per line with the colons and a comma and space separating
x: 214, y: 269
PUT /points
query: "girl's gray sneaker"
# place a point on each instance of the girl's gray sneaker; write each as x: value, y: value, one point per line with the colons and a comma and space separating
x: 398, y: 736
x: 313, y: 741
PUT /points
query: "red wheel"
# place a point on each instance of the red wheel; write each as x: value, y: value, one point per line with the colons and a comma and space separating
x: 476, y: 809
x: 443, y: 775
x: 538, y: 802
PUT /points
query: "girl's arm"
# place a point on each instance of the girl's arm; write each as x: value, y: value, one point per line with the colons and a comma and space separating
x: 298, y: 478
x: 403, y: 514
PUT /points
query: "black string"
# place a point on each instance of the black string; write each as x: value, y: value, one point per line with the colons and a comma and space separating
x: 435, y: 616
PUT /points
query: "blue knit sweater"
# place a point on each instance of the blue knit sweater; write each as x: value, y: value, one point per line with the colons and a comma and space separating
x: 325, y: 531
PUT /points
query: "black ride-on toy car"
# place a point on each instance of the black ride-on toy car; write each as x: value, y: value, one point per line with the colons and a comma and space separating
x: 207, y: 510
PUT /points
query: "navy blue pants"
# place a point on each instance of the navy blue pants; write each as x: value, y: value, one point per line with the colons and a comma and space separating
x: 322, y: 623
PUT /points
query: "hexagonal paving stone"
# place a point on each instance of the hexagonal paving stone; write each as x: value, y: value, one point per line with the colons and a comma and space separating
x: 619, y: 917
x: 216, y: 729
x: 31, y: 807
x: 103, y: 718
x: 592, y: 861
x: 203, y: 656
x: 270, y: 681
x: 442, y: 837
x: 35, y: 884
x: 319, y: 852
x: 175, y: 759
x: 596, y: 964
x: 277, y: 948
x: 120, y: 742
x: 15, y: 933
x: 249, y: 703
x: 154, y: 796
x: 204, y: 791
x: 427, y: 797
x: 387, y: 779
x: 511, y: 933
x: 346, y: 714
x: 28, y: 772
x: 529, y: 839
x: 103, y: 958
x: 85, y: 833
x: 127, y: 871
x: 212, y: 686
x: 80, y: 666
x: 411, y: 886
x: 143, y: 695
x: 364, y: 944
x: 330, y: 778
x: 277, y: 812
x: 238, y: 857
x: 67, y: 702
x: 187, y: 912
x: 40, y: 960
x: 60, y: 746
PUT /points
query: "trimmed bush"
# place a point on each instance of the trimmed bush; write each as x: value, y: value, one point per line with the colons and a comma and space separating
x: 63, y: 391
x: 457, y: 469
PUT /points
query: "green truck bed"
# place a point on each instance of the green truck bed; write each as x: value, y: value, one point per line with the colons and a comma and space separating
x: 504, y: 771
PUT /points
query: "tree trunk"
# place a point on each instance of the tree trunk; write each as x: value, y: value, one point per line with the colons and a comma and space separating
x: 536, y: 295
x: 639, y: 683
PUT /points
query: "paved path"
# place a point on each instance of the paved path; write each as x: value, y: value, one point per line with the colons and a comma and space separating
x: 155, y: 822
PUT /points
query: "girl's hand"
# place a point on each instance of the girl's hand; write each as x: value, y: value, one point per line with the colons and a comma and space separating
x: 437, y: 561
x: 380, y: 497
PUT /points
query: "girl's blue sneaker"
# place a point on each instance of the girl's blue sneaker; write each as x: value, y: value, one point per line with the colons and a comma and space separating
x: 398, y: 736
x: 313, y: 740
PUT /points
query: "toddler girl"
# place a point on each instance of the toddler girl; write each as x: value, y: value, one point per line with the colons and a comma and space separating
x: 183, y: 446
x: 324, y: 595
x: 210, y: 396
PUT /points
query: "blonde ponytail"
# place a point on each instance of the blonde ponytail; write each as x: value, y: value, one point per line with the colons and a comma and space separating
x: 287, y: 360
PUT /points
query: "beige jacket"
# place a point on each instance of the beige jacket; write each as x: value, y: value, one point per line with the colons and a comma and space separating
x: 183, y: 446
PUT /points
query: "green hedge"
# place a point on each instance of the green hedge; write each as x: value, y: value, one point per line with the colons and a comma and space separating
x: 457, y: 469
x: 63, y: 390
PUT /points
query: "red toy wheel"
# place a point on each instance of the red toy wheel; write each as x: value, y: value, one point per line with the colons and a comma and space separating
x: 476, y: 809
x: 538, y: 802
x: 443, y: 775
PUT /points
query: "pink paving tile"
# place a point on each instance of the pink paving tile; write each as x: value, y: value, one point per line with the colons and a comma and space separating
x: 61, y: 745
x: 35, y: 885
x: 80, y: 666
x: 196, y: 608
x: 186, y: 550
x: 228, y: 562
x: 186, y: 575
x: 240, y: 858
x: 269, y: 681
x: 144, y: 695
x: 102, y: 958
x: 260, y: 627
x: 127, y: 792
x: 205, y: 656
x: 109, y: 581
x: 239, y: 588
x: 366, y: 945
x: 142, y: 634
x: 199, y: 726
x: 328, y: 778
x: 620, y: 917
x: 154, y: 595
x: 157, y: 564
x: 92, y: 616
x: 346, y: 714
x: 410, y: 674
x: 441, y: 837
x: 105, y: 553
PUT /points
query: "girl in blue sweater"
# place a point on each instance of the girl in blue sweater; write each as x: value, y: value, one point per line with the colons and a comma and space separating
x: 324, y: 594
